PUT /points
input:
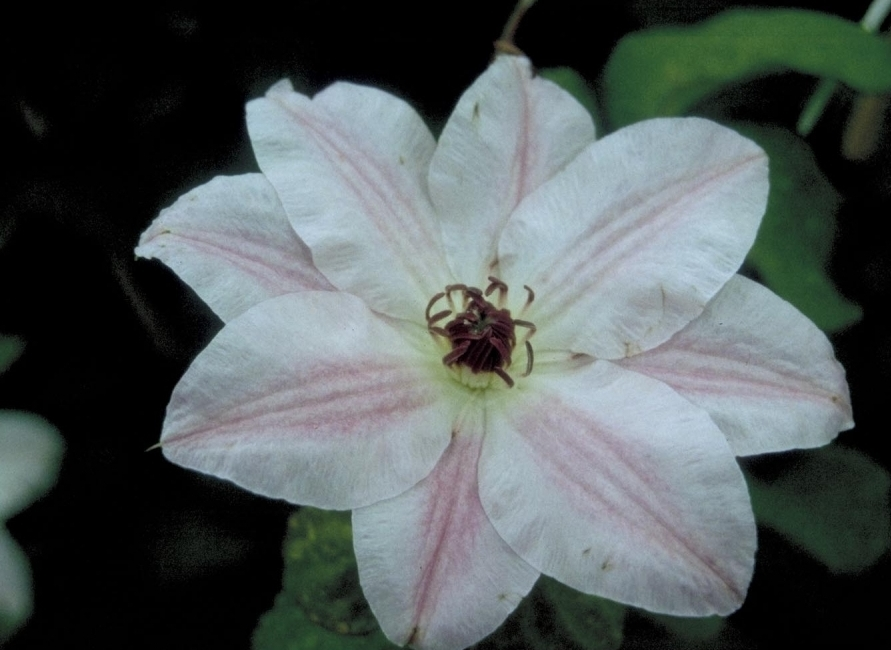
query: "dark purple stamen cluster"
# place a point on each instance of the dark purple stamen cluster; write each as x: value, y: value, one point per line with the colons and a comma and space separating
x: 482, y: 336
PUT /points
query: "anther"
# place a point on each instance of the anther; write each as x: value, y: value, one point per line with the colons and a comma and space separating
x: 482, y: 336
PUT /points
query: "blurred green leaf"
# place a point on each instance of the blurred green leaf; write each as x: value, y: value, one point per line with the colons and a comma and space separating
x: 10, y: 350
x: 693, y: 631
x: 575, y: 84
x: 556, y: 616
x: 587, y: 621
x: 321, y: 574
x: 321, y: 605
x: 287, y: 627
x: 795, y: 239
x: 665, y: 71
x: 833, y: 504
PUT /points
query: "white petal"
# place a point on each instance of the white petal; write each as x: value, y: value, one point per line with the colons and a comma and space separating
x: 762, y: 370
x: 435, y: 572
x: 350, y: 168
x: 313, y: 398
x: 30, y: 451
x: 15, y: 582
x: 631, y: 241
x: 614, y: 485
x: 230, y: 241
x: 509, y: 133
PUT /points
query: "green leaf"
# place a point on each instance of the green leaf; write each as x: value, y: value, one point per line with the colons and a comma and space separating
x: 575, y: 84
x: 694, y: 631
x: 833, y: 504
x: 665, y: 71
x: 321, y: 605
x: 556, y: 616
x: 286, y: 627
x: 795, y: 239
x: 320, y: 571
x: 11, y: 349
x: 587, y: 621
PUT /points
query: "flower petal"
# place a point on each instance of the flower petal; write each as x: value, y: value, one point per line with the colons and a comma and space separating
x: 632, y: 240
x: 762, y: 370
x: 435, y: 572
x: 230, y: 241
x: 350, y: 168
x: 614, y: 485
x: 313, y: 398
x: 509, y: 133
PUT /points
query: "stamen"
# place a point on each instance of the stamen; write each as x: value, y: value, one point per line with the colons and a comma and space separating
x: 529, y: 298
x: 438, y: 316
x: 528, y: 360
x: 432, y: 302
x: 482, y: 336
x: 501, y: 287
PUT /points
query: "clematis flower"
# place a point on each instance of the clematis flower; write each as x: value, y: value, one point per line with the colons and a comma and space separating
x: 517, y: 350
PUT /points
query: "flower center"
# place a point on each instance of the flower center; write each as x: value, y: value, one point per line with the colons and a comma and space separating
x: 482, y: 336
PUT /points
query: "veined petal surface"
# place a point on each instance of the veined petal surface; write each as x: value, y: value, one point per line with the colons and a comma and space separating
x: 616, y: 486
x: 453, y: 580
x: 350, y: 168
x: 630, y: 242
x: 230, y: 240
x: 313, y: 398
x: 509, y: 133
x: 764, y: 372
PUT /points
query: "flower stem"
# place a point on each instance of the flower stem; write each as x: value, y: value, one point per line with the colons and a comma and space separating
x: 505, y: 44
x: 873, y: 18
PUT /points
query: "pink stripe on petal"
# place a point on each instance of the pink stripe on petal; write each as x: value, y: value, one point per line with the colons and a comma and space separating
x: 510, y: 132
x: 762, y: 370
x: 230, y: 240
x: 435, y: 572
x: 614, y: 485
x: 350, y: 167
x: 340, y: 419
x: 635, y: 236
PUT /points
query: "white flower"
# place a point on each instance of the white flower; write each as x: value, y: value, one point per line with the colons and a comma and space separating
x: 30, y: 450
x: 359, y: 369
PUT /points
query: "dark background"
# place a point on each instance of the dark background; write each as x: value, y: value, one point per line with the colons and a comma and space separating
x: 108, y: 117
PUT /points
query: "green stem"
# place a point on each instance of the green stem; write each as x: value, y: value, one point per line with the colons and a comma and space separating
x: 873, y: 18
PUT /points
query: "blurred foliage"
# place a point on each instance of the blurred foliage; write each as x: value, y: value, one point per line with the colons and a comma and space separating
x: 692, y: 632
x: 11, y: 349
x: 833, y: 503
x: 576, y: 85
x: 665, y: 71
x: 556, y: 616
x: 321, y: 605
x: 794, y: 243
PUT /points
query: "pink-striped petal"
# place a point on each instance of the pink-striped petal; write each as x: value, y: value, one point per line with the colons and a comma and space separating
x: 435, y: 572
x: 350, y: 169
x: 632, y: 240
x: 230, y: 240
x: 613, y: 484
x: 510, y: 132
x: 762, y: 370
x: 313, y: 398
